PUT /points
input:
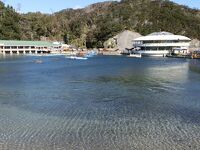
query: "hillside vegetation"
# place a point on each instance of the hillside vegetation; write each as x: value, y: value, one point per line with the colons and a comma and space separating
x: 9, y: 23
x: 93, y: 25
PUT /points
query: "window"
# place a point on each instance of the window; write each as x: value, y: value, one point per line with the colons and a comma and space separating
x: 20, y: 47
x: 7, y: 47
x: 13, y: 47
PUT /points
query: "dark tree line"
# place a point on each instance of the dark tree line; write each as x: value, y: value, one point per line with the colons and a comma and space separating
x: 91, y: 26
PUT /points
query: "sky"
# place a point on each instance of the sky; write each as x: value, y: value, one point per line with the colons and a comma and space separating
x: 51, y: 6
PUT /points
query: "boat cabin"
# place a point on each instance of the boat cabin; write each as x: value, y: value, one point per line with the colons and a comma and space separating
x: 196, y: 54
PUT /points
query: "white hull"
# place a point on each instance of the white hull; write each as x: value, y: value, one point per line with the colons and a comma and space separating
x: 153, y: 53
x: 135, y: 55
x: 78, y: 58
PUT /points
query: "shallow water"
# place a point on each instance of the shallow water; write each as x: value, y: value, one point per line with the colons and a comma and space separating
x: 102, y: 103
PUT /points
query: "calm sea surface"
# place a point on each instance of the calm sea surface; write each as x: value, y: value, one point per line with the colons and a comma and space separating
x: 103, y: 103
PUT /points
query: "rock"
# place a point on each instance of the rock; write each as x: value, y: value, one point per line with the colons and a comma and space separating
x: 122, y: 41
x: 125, y: 39
x: 195, y: 43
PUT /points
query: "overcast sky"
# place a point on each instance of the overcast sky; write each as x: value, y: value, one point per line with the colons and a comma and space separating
x: 50, y: 6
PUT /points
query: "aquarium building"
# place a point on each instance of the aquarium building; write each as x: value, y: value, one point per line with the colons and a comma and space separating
x: 28, y: 47
x: 160, y: 44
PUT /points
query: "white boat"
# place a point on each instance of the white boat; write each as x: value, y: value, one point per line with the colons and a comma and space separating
x: 76, y: 57
x: 160, y: 43
x: 135, y: 55
x: 91, y: 54
x: 153, y: 53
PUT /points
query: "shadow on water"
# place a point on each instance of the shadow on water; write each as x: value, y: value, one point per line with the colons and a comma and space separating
x: 194, y: 66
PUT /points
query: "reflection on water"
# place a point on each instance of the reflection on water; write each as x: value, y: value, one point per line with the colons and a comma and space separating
x: 195, y: 66
x: 101, y: 103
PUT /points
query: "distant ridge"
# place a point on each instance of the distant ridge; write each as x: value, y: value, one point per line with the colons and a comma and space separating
x: 93, y: 25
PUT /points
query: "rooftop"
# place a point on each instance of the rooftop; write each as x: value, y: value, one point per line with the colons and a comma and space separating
x: 162, y: 36
x: 160, y: 33
x: 27, y: 43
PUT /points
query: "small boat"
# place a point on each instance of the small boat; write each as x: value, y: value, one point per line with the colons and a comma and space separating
x: 87, y: 54
x: 91, y: 54
x: 135, y: 55
x: 38, y: 61
x: 77, y: 58
x: 196, y: 54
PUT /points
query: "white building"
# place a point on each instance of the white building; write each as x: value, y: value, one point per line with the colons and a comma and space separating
x: 28, y: 47
x: 160, y: 43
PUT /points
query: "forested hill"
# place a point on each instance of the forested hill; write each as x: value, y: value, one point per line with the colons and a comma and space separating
x: 9, y: 23
x: 92, y: 25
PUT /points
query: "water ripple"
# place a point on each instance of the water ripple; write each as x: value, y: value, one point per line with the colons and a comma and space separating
x: 74, y: 105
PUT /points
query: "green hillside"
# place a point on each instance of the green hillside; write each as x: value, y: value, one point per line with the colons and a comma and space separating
x: 91, y: 26
x: 9, y: 23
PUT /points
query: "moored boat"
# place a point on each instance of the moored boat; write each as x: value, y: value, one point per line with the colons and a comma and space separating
x: 91, y: 54
x: 77, y: 57
x: 135, y: 55
x: 160, y: 44
x: 196, y: 54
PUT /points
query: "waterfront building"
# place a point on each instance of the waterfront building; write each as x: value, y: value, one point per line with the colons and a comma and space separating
x: 28, y: 47
x: 160, y: 44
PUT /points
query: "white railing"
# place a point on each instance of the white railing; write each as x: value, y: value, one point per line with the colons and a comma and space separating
x: 163, y: 45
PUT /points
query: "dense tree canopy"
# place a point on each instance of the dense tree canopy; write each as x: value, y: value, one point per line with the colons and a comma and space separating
x: 9, y: 23
x: 93, y: 25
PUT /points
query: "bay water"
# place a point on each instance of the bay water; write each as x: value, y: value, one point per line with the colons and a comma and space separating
x: 103, y: 103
